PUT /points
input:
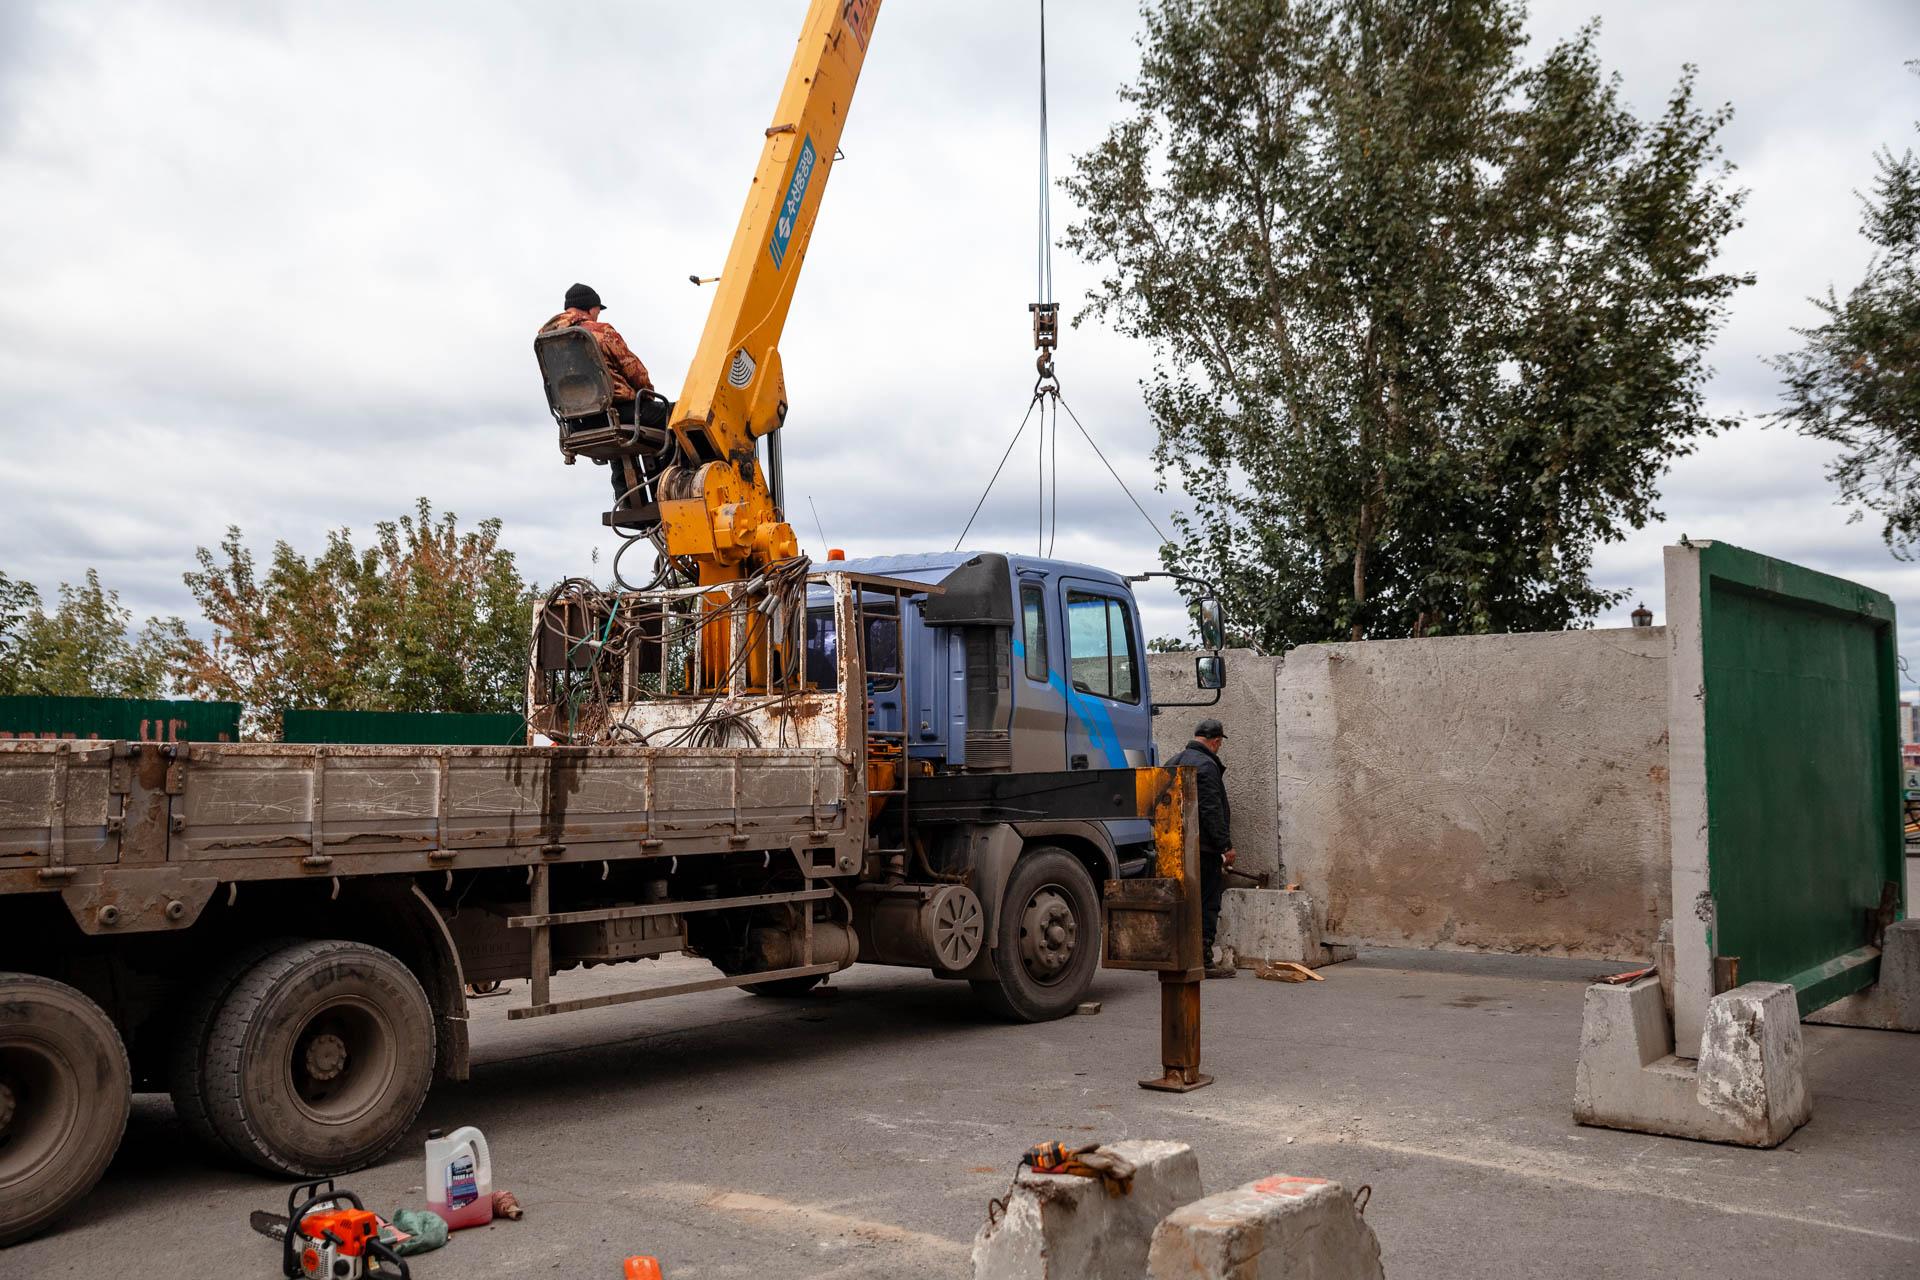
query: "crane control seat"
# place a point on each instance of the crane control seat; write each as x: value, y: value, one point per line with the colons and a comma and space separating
x: 580, y: 394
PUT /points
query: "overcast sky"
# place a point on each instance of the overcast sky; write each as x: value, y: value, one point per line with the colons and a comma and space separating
x: 279, y: 265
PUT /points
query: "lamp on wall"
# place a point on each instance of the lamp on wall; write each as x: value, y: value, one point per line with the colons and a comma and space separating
x: 1643, y: 616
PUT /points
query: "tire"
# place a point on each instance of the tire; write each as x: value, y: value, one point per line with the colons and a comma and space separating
x: 318, y: 1059
x: 785, y: 988
x: 1044, y: 975
x: 193, y: 1031
x: 65, y: 1091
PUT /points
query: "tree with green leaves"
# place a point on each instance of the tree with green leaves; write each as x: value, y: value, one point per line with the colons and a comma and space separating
x: 86, y: 647
x: 428, y: 618
x: 1856, y: 381
x: 1428, y: 317
x: 19, y: 606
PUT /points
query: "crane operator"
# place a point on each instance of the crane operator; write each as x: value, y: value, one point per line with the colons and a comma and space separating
x: 624, y: 370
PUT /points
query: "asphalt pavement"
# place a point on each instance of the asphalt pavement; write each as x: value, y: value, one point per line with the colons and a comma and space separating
x: 861, y: 1131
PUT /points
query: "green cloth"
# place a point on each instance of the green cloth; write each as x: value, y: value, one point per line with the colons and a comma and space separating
x: 427, y: 1231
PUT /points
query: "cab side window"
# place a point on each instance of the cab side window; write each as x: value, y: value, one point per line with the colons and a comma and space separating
x: 1033, y: 629
x: 823, y: 658
x: 1100, y: 647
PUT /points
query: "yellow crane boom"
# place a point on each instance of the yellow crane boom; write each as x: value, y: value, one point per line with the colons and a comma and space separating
x: 717, y: 507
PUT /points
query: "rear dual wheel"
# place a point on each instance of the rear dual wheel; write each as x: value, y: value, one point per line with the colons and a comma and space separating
x: 65, y: 1091
x: 305, y: 1058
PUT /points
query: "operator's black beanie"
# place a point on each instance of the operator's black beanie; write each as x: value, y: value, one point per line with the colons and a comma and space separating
x: 582, y: 298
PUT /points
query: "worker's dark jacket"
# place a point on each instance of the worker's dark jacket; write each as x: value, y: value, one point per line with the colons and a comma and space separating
x: 623, y: 367
x: 1216, y: 815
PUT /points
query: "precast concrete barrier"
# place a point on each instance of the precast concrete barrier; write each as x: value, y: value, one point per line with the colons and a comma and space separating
x: 1061, y: 1227
x: 1280, y: 1228
x: 1285, y: 1227
x: 1745, y: 1085
x: 1275, y: 926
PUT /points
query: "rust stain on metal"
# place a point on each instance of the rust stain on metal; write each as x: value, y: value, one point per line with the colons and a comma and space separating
x: 1143, y: 924
x: 563, y: 779
x: 1162, y: 794
x: 150, y: 767
x: 272, y: 842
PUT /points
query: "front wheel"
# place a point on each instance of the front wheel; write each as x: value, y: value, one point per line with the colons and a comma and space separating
x: 65, y: 1091
x: 1048, y: 938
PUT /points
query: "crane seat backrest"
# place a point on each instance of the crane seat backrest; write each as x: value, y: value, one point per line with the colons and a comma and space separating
x: 574, y: 373
x: 580, y: 394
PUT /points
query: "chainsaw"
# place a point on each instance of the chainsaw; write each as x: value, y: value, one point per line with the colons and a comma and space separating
x: 329, y: 1235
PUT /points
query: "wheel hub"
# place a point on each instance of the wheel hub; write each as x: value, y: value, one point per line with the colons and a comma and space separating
x: 959, y: 926
x: 341, y: 1060
x: 326, y: 1056
x: 42, y: 1101
x: 1048, y: 932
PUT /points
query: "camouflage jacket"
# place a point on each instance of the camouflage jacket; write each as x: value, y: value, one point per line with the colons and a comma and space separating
x: 623, y: 366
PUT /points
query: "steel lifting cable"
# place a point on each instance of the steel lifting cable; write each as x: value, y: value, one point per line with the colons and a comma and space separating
x: 1054, y: 528
x: 1043, y: 294
x: 1047, y: 387
x: 1109, y: 466
x: 1043, y: 265
x: 1040, y: 476
x: 1043, y: 289
x: 997, y: 470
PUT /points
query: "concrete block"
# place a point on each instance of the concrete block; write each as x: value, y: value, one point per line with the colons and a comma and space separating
x: 1500, y: 793
x: 1279, y: 1228
x: 1748, y: 1086
x: 1893, y: 1003
x: 1265, y: 926
x: 1057, y: 1227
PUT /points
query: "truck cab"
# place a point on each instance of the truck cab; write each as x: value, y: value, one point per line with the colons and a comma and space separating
x: 1020, y: 664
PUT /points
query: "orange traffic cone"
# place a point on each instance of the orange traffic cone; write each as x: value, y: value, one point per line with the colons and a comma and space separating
x: 643, y: 1267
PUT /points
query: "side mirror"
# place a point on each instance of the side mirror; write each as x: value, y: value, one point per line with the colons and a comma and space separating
x: 1210, y: 671
x: 1213, y: 627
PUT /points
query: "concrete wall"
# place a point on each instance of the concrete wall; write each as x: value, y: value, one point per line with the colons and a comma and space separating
x: 1501, y: 793
x: 1245, y: 710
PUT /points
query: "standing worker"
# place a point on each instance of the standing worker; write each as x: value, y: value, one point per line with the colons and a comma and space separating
x: 624, y: 369
x: 1216, y: 834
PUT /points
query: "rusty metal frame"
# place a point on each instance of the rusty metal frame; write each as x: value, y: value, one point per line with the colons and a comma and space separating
x: 1154, y: 924
x: 547, y: 1009
x: 665, y: 908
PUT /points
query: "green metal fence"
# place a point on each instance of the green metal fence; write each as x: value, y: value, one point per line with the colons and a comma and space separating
x: 132, y: 719
x: 1787, y: 821
x: 409, y: 728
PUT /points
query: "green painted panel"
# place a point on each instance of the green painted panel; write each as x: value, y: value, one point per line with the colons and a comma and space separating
x: 1803, y: 769
x: 407, y: 728
x: 131, y: 719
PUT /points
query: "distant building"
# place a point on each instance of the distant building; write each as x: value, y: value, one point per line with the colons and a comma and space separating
x: 1909, y: 723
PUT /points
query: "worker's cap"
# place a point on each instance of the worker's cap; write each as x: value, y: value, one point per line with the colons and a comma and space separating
x: 581, y: 297
x: 1209, y: 729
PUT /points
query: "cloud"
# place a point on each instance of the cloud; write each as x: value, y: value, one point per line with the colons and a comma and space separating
x: 279, y: 265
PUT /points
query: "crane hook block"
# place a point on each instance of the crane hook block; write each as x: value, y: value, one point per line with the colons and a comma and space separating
x: 1046, y: 325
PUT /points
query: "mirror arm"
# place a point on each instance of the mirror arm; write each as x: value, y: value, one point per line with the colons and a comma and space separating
x: 1208, y: 591
x: 1158, y: 707
x: 1217, y: 689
